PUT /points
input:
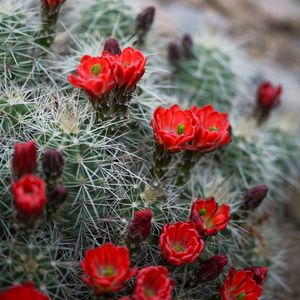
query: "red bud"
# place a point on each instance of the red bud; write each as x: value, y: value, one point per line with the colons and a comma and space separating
x: 254, y: 197
x: 112, y: 46
x: 53, y: 164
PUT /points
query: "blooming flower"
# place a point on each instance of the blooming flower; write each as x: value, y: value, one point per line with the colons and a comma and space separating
x: 240, y: 285
x: 173, y: 128
x: 208, y: 217
x: 107, y: 268
x: 94, y: 76
x: 213, y: 129
x: 210, y: 269
x: 24, y: 159
x: 140, y: 227
x: 180, y: 243
x: 129, y: 68
x: 153, y: 283
x: 25, y: 291
x: 29, y: 196
x: 259, y: 274
x: 268, y: 96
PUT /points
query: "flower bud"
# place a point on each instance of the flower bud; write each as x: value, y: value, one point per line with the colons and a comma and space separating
x: 211, y: 268
x: 24, y: 160
x: 51, y: 6
x: 259, y: 274
x: 268, y: 96
x: 58, y: 195
x: 254, y: 197
x: 187, y: 45
x: 174, y: 53
x: 140, y: 227
x: 112, y: 46
x: 145, y: 19
x: 53, y: 164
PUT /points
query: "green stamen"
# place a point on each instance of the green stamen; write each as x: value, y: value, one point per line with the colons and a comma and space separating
x: 203, y: 212
x: 180, y: 129
x: 96, y: 69
x: 241, y: 296
x: 108, y: 271
x: 213, y: 128
x: 149, y: 293
x: 178, y: 248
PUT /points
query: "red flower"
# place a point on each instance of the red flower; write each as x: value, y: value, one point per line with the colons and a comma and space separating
x: 129, y: 68
x: 173, y: 128
x: 52, y: 5
x: 259, y: 274
x: 268, y: 96
x: 208, y: 217
x: 94, y: 76
x: 24, y: 160
x: 140, y: 227
x: 153, y: 283
x: 240, y: 285
x: 180, y: 243
x: 213, y: 129
x: 107, y: 268
x: 29, y: 196
x: 25, y: 291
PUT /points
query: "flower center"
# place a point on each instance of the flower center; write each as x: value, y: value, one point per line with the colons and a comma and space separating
x: 213, y: 128
x: 108, y: 271
x: 202, y: 212
x: 241, y: 296
x: 178, y: 248
x: 96, y: 69
x: 149, y: 293
x: 126, y: 64
x: 180, y: 129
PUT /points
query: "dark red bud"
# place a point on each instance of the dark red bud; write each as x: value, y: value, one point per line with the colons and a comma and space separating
x: 140, y: 227
x: 58, y: 195
x: 53, y: 164
x: 112, y: 46
x: 259, y: 274
x: 254, y: 197
x: 211, y: 268
x: 187, y: 45
x: 268, y: 96
x: 145, y: 19
x: 174, y: 53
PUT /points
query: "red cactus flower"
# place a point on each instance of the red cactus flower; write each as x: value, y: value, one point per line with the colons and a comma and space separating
x: 208, y: 217
x: 24, y: 160
x: 129, y: 68
x: 153, y: 283
x: 268, y: 96
x: 107, y: 268
x: 213, y: 130
x: 259, y: 274
x: 140, y: 227
x: 240, y: 285
x: 29, y: 196
x: 180, y: 243
x: 94, y: 76
x: 173, y: 128
x: 25, y: 291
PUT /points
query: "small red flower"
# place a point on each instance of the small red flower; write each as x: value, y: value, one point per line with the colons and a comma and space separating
x: 107, y: 268
x: 259, y: 274
x: 129, y: 68
x: 213, y: 129
x: 240, y: 285
x: 173, y: 128
x: 208, y: 217
x: 268, y: 96
x: 140, y: 227
x: 180, y: 243
x: 94, y: 76
x: 153, y: 283
x: 25, y: 291
x: 24, y: 160
x: 29, y: 196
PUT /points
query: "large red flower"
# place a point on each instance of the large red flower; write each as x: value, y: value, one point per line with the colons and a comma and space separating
x: 268, y: 96
x: 213, y: 129
x: 153, y: 283
x: 240, y: 285
x: 129, y: 68
x: 94, y: 76
x: 29, y: 196
x: 24, y: 160
x: 25, y: 291
x: 180, y: 243
x: 107, y: 268
x: 173, y: 128
x: 208, y: 217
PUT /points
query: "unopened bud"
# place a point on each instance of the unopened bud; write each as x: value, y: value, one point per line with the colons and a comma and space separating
x: 53, y: 164
x: 145, y: 19
x: 174, y: 53
x: 187, y: 45
x: 58, y: 195
x: 112, y: 46
x: 254, y: 197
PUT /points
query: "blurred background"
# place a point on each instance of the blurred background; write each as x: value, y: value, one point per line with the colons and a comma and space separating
x: 269, y: 33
